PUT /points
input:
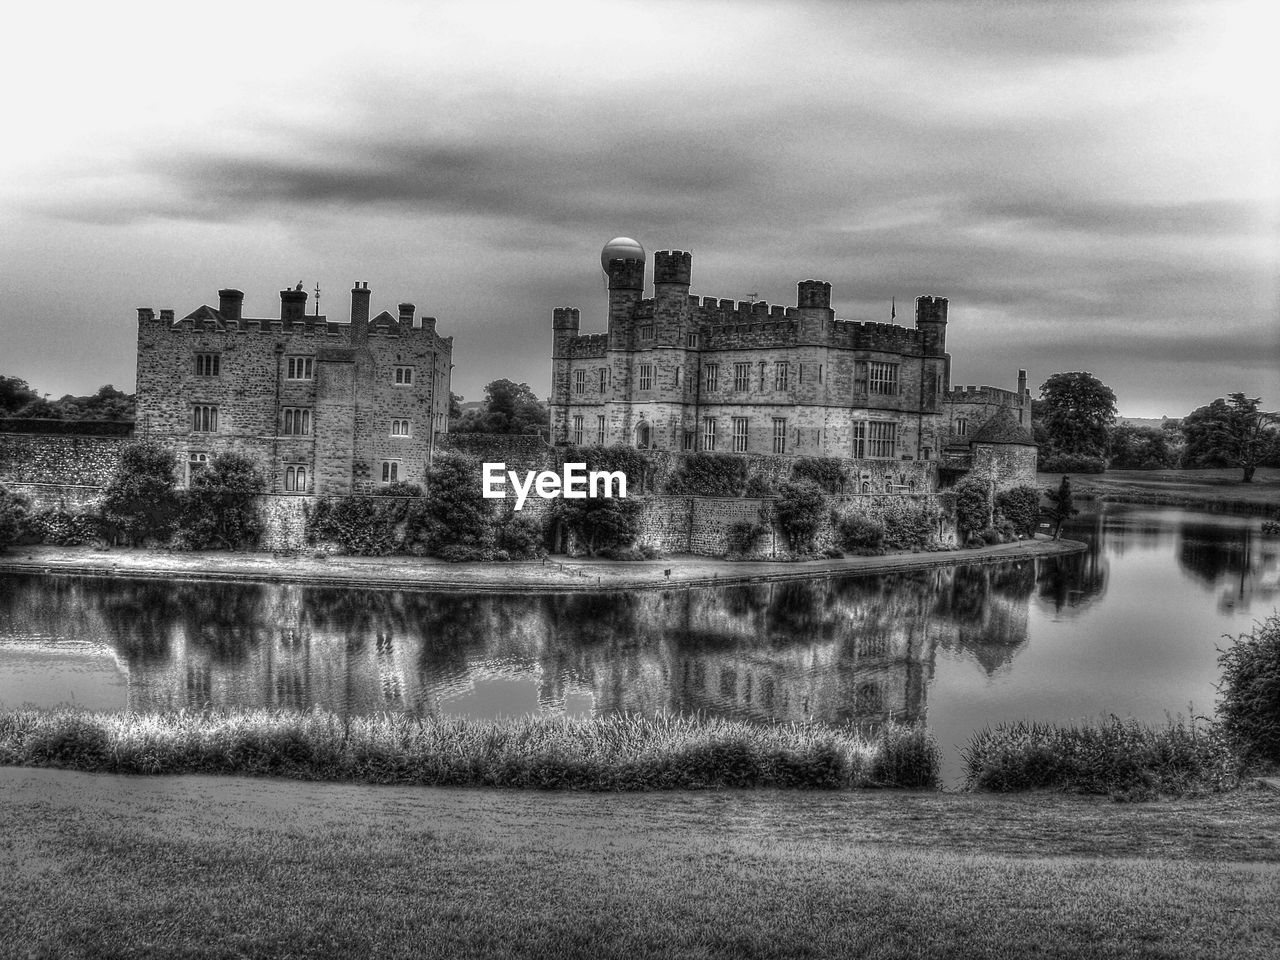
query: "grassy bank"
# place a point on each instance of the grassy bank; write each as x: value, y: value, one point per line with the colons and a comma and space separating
x: 1117, y: 758
x: 1219, y: 490
x: 201, y: 867
x: 608, y: 753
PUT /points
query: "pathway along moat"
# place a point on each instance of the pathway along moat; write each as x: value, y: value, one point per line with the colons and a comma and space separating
x: 1129, y: 627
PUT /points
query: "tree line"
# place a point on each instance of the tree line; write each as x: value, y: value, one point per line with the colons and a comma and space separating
x: 1074, y: 424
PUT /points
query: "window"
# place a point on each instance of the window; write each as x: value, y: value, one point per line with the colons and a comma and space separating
x: 297, y: 421
x: 763, y: 385
x: 779, y: 435
x: 690, y: 441
x: 962, y: 427
x: 860, y: 378
x: 691, y: 341
x: 709, y: 433
x: 577, y: 431
x: 739, y: 434
x: 295, y: 479
x: 299, y: 368
x: 390, y: 471
x: 679, y: 378
x: 600, y: 430
x: 580, y: 382
x: 604, y: 378
x: 404, y: 376
x: 208, y: 364
x: 781, y: 370
x: 196, y: 462
x: 742, y: 376
x: 859, y: 440
x: 646, y: 331
x: 882, y: 436
x: 204, y: 418
x: 711, y: 377
x: 646, y: 376
x: 401, y: 428
x: 819, y: 373
x: 884, y: 379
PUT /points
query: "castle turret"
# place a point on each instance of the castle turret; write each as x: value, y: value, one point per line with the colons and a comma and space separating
x: 931, y: 320
x: 671, y: 272
x: 360, y: 312
x: 230, y: 305
x: 565, y: 323
x: 293, y: 305
x: 813, y: 299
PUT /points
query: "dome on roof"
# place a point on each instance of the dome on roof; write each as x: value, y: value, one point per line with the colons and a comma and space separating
x: 621, y: 248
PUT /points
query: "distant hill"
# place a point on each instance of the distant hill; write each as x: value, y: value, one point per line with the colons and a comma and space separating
x: 1154, y: 422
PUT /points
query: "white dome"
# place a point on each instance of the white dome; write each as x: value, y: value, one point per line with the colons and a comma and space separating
x: 621, y: 248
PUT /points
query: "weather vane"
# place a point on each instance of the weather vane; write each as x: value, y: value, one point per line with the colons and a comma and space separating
x: 317, y: 298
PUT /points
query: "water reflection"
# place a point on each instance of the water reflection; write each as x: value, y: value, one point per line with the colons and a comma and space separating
x: 855, y: 649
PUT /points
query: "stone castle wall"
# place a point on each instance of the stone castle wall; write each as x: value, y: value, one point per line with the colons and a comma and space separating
x: 30, y: 458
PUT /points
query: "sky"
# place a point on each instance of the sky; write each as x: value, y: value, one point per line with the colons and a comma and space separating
x: 1094, y: 185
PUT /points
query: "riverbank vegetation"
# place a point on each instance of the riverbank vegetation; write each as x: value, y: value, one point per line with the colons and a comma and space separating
x: 607, y: 753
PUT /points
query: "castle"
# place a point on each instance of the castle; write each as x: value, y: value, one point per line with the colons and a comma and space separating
x: 678, y: 372
x: 324, y: 408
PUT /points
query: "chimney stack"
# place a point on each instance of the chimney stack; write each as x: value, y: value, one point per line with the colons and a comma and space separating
x: 360, y: 312
x: 230, y: 305
x: 406, y: 314
x: 293, y: 305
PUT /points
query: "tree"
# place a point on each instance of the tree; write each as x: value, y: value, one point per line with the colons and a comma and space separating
x: 455, y: 406
x: 509, y: 408
x: 13, y: 508
x: 800, y: 508
x: 139, y: 499
x: 973, y: 505
x: 1021, y: 507
x: 1061, y: 505
x: 14, y: 395
x: 452, y: 509
x: 1076, y: 409
x: 219, y: 510
x: 1231, y: 433
x: 1141, y: 448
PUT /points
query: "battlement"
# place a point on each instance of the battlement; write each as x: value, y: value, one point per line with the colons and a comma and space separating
x: 672, y: 266
x: 591, y: 346
x: 982, y: 394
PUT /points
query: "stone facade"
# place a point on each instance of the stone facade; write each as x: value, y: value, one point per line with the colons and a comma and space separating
x: 678, y: 372
x: 59, y: 458
x: 325, y: 408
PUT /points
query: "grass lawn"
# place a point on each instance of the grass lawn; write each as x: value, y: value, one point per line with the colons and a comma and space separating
x: 1176, y: 487
x: 96, y: 865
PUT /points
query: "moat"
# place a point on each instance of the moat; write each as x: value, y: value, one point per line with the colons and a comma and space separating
x: 1130, y: 627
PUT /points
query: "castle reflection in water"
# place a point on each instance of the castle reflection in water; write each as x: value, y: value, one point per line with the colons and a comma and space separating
x: 853, y: 649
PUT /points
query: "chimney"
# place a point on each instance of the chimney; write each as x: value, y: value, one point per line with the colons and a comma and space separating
x: 230, y: 305
x: 293, y: 305
x: 406, y: 314
x: 146, y: 314
x: 167, y: 315
x: 360, y: 312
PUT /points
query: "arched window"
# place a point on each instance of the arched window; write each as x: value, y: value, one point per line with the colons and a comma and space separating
x: 642, y: 434
x: 866, y: 486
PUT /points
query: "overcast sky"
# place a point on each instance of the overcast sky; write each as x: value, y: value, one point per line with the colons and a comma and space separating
x: 1092, y: 184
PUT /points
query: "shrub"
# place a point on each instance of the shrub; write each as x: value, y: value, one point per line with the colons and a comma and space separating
x: 630, y: 461
x: 139, y: 501
x: 1069, y: 463
x: 400, y: 488
x: 908, y: 525
x: 1114, y: 757
x: 13, y: 513
x: 759, y: 486
x: 362, y: 526
x: 1021, y: 507
x: 218, y: 510
x: 62, y: 529
x: 709, y: 475
x: 990, y: 536
x: 1249, y: 694
x: 453, y: 508
x: 828, y: 474
x: 601, y: 522
x: 973, y: 505
x: 522, y: 537
x: 458, y: 553
x: 800, y: 508
x: 743, y: 534
x: 860, y: 533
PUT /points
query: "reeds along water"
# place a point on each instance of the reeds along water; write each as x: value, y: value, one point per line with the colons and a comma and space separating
x: 612, y: 753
